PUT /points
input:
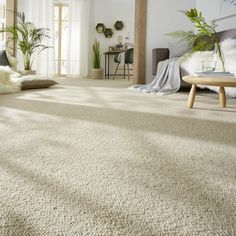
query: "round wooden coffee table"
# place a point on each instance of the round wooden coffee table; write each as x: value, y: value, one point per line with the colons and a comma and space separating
x: 220, y: 82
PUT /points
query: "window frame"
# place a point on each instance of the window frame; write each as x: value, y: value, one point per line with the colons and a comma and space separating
x: 60, y: 21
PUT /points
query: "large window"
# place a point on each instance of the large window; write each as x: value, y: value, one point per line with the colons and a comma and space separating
x: 2, y: 22
x: 61, y: 36
x: 7, y: 8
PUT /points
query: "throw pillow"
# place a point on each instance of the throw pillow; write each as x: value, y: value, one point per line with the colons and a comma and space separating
x: 12, y: 61
x: 178, y: 49
x: 3, y: 59
x: 35, y: 82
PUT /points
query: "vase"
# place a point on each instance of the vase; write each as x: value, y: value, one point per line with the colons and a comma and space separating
x: 208, y: 65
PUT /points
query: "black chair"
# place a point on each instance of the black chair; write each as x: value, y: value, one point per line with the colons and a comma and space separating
x: 128, y: 60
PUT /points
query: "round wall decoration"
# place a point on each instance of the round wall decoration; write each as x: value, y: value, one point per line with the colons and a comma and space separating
x: 100, y: 27
x: 119, y: 25
x: 108, y: 33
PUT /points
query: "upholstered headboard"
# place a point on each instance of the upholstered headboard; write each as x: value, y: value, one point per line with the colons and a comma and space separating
x: 231, y: 33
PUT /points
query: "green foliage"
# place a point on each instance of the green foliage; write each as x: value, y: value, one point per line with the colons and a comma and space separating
x: 204, y: 38
x: 96, y: 55
x: 29, y: 38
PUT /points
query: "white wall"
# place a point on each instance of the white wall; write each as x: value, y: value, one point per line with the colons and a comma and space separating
x: 164, y: 17
x: 108, y: 12
x: 212, y: 10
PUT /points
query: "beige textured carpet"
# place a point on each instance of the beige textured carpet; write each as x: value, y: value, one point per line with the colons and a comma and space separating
x: 93, y: 158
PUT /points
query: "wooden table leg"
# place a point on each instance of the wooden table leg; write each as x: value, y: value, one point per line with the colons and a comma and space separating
x: 192, y: 95
x: 222, y: 97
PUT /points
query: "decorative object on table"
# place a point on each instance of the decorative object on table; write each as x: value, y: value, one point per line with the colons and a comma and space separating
x: 29, y: 39
x: 205, y: 37
x: 100, y: 28
x: 119, y: 25
x: 208, y: 65
x: 97, y: 71
x: 108, y: 32
x: 120, y: 39
x: 116, y: 48
x: 119, y: 47
x: 112, y: 48
x: 128, y: 38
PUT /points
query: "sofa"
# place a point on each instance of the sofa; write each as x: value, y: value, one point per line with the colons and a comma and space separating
x: 161, y: 54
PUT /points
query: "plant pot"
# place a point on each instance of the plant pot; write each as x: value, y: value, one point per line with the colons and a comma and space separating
x: 97, y: 73
x: 28, y: 72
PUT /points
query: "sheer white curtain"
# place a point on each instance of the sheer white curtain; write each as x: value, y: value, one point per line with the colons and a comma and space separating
x: 78, y: 38
x: 41, y: 13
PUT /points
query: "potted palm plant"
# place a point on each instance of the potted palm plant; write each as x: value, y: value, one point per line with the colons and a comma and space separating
x: 97, y: 71
x: 29, y: 39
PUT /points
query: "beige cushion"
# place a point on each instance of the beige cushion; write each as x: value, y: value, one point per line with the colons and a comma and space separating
x: 37, y: 83
x: 12, y: 61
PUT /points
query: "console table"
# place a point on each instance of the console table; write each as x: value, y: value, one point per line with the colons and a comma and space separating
x: 220, y: 82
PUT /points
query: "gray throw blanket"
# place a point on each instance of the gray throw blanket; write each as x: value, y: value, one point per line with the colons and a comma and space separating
x: 167, y: 79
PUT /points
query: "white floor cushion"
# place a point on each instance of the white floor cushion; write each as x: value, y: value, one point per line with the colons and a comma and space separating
x: 7, y: 85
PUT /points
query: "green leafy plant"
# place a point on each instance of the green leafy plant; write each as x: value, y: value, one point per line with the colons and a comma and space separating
x: 28, y: 37
x: 205, y: 37
x: 96, y: 55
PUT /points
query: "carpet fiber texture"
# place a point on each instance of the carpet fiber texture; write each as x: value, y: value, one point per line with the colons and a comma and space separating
x: 90, y: 157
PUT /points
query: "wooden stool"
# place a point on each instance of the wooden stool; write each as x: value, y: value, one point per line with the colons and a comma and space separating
x: 221, y: 82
